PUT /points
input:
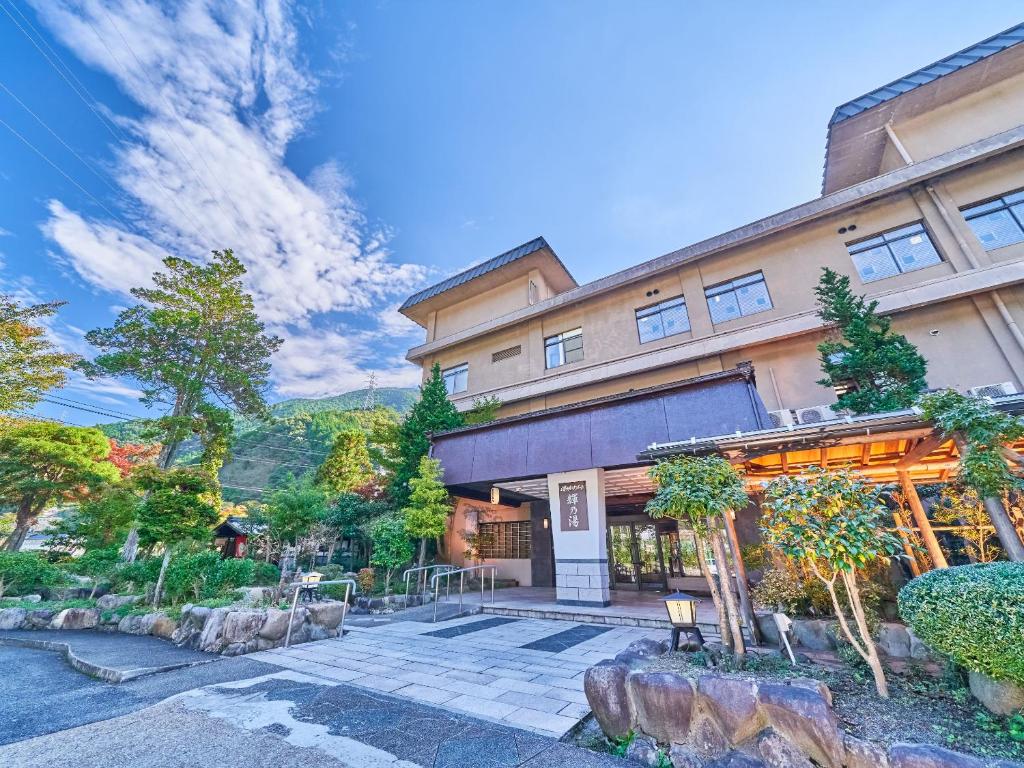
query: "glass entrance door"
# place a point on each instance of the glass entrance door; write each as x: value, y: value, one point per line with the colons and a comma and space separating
x: 635, y: 555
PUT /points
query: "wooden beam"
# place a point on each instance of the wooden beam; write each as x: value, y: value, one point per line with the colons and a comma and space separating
x: 865, y: 454
x: 908, y: 549
x: 935, y: 553
x: 784, y: 459
x: 823, y: 457
x: 1012, y: 455
x: 923, y: 447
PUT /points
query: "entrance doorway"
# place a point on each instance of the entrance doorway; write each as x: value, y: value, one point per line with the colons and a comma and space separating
x: 635, y: 556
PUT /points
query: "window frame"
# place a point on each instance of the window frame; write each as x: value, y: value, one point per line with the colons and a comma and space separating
x: 730, y: 286
x: 559, y: 339
x: 514, y: 545
x: 455, y: 370
x: 681, y: 298
x: 858, y: 246
x: 1005, y: 206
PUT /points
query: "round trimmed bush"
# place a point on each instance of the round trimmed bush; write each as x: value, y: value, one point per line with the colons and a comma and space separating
x: 972, y: 613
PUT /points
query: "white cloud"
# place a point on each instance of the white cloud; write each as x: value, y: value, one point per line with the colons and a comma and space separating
x: 223, y: 90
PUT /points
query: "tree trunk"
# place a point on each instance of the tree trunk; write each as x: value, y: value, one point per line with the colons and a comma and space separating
x: 716, y: 596
x: 160, y: 578
x: 870, y: 653
x: 423, y: 550
x: 23, y: 522
x: 731, y: 609
x: 742, y: 588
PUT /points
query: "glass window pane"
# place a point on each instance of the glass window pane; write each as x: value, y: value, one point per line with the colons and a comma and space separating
x: 915, y: 252
x: 994, y: 230
x: 902, y: 232
x: 554, y: 355
x: 975, y: 210
x: 675, y: 320
x: 1016, y: 197
x: 865, y: 244
x: 650, y: 328
x: 723, y: 307
x: 753, y: 298
x: 874, y: 264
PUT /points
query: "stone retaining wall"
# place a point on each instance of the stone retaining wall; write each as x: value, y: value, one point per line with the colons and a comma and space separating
x: 714, y: 717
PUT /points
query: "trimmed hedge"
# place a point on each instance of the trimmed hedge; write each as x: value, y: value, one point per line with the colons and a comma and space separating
x: 972, y: 613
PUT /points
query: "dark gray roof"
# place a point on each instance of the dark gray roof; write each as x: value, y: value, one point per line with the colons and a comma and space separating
x: 481, y: 269
x: 952, y: 63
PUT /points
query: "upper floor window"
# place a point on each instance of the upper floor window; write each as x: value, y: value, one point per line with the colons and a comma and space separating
x: 564, y: 348
x: 456, y: 379
x: 746, y: 295
x: 901, y: 250
x: 998, y: 222
x: 666, y: 318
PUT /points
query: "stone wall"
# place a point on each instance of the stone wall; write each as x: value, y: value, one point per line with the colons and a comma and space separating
x: 718, y: 719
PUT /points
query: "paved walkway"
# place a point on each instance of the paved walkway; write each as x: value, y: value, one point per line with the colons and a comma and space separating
x: 524, y: 673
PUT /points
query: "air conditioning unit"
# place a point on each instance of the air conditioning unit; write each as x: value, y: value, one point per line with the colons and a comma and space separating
x: 783, y: 418
x: 993, y: 390
x: 815, y: 415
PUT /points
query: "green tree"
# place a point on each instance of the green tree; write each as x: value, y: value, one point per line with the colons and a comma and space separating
x: 99, y: 522
x: 701, y: 491
x: 484, y: 409
x: 194, y: 339
x: 881, y: 370
x: 175, y: 513
x: 42, y: 463
x: 295, y: 508
x: 433, y: 412
x: 429, y: 505
x: 347, y: 466
x: 837, y: 524
x: 391, y: 546
x: 30, y: 364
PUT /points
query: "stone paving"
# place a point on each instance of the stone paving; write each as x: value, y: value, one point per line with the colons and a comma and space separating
x: 485, y: 672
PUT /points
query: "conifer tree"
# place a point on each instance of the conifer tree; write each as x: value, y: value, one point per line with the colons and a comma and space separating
x: 429, y: 505
x: 881, y: 370
x: 347, y: 466
x: 433, y: 412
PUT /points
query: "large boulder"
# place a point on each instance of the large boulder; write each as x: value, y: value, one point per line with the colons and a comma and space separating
x: 682, y: 756
x: 76, y: 618
x: 241, y: 626
x: 779, y: 752
x: 31, y: 598
x: 864, y: 754
x: 894, y: 640
x: 40, y: 618
x: 736, y: 760
x: 113, y: 602
x: 275, y: 628
x: 133, y: 624
x: 254, y: 595
x: 663, y: 704
x: 605, y: 687
x: 12, y: 618
x: 929, y: 756
x: 814, y: 634
x: 211, y: 637
x: 162, y: 626
x: 327, y: 614
x: 644, y: 751
x: 804, y: 717
x: 731, y: 704
x: 1000, y: 697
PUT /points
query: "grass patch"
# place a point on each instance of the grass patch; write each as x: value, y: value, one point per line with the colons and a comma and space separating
x: 52, y: 605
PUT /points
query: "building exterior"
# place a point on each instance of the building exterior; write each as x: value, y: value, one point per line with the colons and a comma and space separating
x: 922, y: 206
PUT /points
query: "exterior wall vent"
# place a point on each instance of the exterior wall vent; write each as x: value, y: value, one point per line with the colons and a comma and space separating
x: 505, y: 354
x: 993, y: 390
x: 815, y: 415
x: 783, y: 418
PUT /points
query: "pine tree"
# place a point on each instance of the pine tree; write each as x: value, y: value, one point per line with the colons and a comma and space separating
x: 347, y: 466
x: 881, y: 370
x: 429, y: 505
x: 433, y: 412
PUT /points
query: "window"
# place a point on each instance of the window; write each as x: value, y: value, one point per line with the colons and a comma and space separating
x: 998, y: 222
x: 743, y: 296
x: 664, y: 319
x: 456, y: 379
x: 564, y: 348
x: 504, y: 541
x: 902, y: 250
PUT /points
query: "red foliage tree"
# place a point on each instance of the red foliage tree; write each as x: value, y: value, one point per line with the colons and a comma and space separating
x: 127, y: 456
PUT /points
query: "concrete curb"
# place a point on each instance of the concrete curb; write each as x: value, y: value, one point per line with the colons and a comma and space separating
x: 84, y: 666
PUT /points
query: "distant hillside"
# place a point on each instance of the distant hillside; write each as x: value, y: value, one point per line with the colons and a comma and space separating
x: 294, y: 440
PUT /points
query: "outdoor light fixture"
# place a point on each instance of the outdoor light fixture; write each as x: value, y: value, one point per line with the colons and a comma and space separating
x: 545, y: 523
x: 682, y: 612
x: 495, y: 495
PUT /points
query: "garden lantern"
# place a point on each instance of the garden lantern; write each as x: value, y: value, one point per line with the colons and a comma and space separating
x: 682, y: 612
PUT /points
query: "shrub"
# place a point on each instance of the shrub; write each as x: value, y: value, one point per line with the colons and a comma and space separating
x: 781, y: 590
x: 972, y: 613
x: 265, y: 574
x: 228, y: 575
x: 132, y: 577
x: 367, y: 579
x: 188, y: 574
x: 98, y: 564
x: 26, y: 572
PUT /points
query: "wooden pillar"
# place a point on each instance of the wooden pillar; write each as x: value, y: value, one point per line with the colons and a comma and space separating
x: 746, y: 607
x: 908, y: 549
x: 931, y: 543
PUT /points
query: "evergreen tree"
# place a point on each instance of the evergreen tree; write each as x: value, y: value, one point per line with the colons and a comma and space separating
x: 429, y: 505
x: 347, y: 466
x: 881, y: 369
x: 433, y: 412
x: 29, y: 363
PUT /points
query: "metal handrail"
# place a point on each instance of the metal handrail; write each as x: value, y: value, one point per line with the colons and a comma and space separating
x: 426, y: 570
x: 436, y: 584
x: 350, y: 584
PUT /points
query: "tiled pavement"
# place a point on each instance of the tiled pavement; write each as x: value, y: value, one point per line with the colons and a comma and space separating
x: 486, y: 672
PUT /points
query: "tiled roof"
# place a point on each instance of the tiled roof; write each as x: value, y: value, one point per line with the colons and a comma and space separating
x: 952, y: 63
x: 480, y: 269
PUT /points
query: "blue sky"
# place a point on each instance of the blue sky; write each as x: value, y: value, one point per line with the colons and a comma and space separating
x: 352, y: 152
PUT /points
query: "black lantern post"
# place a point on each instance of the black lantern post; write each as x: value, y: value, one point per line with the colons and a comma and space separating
x: 682, y: 612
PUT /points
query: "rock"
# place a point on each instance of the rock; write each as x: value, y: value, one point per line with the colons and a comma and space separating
x: 31, y: 598
x: 644, y: 751
x: 76, y: 618
x: 814, y: 685
x: 630, y: 659
x: 1001, y: 697
x: 646, y: 648
x: 317, y: 632
x: 929, y: 756
x: 683, y: 757
x: 39, y: 618
x: 241, y: 626
x: 779, y: 752
x: 276, y: 625
x: 605, y: 687
x: 113, y: 602
x: 706, y: 737
x: 894, y: 640
x: 769, y: 629
x: 197, y: 614
x: 662, y: 704
x: 864, y: 754
x: 163, y: 626
x: 133, y: 625
x: 814, y: 634
x: 732, y: 704
x: 12, y: 618
x: 736, y: 760
x: 805, y: 718
x: 326, y: 614
x: 918, y: 650
x: 210, y: 639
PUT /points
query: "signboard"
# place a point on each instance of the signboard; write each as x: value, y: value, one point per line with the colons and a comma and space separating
x: 572, y: 501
